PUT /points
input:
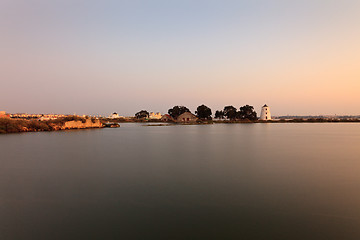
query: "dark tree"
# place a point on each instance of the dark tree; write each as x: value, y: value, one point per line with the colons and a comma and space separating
x: 203, y: 112
x: 230, y: 112
x: 219, y: 114
x: 247, y: 112
x: 142, y: 114
x: 177, y: 110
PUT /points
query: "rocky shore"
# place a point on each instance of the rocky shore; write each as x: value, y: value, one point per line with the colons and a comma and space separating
x: 16, y: 126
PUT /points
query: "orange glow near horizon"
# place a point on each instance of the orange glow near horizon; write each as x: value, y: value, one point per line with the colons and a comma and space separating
x: 299, y: 57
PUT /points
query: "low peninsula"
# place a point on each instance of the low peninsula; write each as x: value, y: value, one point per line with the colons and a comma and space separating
x: 8, y: 125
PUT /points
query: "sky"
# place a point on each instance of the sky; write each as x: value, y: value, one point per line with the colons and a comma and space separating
x: 301, y: 57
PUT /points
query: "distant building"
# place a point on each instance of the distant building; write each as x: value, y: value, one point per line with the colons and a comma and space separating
x: 115, y: 116
x: 265, y: 113
x: 153, y: 115
x: 4, y: 115
x: 167, y: 118
x: 186, y: 117
x: 48, y: 117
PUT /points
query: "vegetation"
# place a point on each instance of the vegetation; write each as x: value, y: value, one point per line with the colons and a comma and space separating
x: 142, y: 114
x: 246, y: 112
x: 17, y: 125
x: 231, y: 114
x: 203, y: 112
x: 67, y: 119
x: 177, y: 111
x: 219, y: 114
x: 14, y: 126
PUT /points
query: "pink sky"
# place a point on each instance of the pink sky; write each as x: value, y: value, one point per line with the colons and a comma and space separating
x: 96, y: 57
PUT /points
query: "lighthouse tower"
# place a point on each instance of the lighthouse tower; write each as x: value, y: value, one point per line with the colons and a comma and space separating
x: 265, y: 113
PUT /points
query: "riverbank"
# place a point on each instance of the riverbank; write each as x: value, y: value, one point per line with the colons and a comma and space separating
x: 73, y: 122
x: 17, y: 126
x: 159, y: 123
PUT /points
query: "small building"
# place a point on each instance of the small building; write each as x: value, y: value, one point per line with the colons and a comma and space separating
x: 186, y: 117
x: 48, y: 117
x: 167, y: 118
x: 4, y: 115
x: 114, y: 115
x: 265, y: 113
x: 153, y: 115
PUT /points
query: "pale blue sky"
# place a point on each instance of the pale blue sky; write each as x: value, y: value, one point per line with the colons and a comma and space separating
x: 89, y: 57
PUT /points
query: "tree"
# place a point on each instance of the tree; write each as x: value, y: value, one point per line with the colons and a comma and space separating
x: 230, y: 112
x: 219, y: 114
x: 203, y: 112
x: 142, y: 114
x: 247, y: 112
x: 177, y: 110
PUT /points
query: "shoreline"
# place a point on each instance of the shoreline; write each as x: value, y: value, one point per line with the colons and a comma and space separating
x: 69, y: 123
x: 21, y: 126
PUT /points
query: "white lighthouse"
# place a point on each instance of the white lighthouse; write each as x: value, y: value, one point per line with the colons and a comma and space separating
x: 265, y: 113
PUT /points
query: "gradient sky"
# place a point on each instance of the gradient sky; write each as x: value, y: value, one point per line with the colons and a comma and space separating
x: 95, y: 57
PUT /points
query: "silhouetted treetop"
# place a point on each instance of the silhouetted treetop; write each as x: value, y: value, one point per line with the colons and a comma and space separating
x: 142, y: 114
x: 177, y: 110
x: 230, y: 112
x: 203, y: 112
x: 219, y: 114
x: 247, y: 112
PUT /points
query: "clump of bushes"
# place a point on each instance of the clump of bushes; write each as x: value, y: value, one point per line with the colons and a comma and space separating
x: 10, y: 126
x: 14, y: 126
x: 63, y: 120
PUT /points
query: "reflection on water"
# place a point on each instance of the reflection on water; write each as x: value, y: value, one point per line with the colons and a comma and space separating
x: 225, y: 181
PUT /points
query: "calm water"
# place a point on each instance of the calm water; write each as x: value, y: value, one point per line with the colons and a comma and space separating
x: 234, y: 181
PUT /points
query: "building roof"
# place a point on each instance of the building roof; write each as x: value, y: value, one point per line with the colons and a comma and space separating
x: 187, y: 113
x: 265, y: 105
x: 167, y: 116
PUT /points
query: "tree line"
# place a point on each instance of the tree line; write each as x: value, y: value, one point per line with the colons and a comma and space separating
x: 231, y: 113
x: 205, y: 113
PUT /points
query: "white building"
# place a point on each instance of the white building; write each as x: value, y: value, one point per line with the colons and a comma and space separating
x: 153, y: 115
x: 265, y: 113
x: 115, y: 116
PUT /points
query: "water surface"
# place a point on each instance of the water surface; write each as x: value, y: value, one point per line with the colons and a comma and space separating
x: 223, y: 181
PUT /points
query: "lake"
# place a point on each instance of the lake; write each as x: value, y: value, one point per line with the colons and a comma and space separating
x: 221, y: 181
